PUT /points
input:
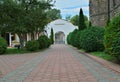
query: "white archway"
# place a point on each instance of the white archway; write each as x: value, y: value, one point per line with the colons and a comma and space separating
x: 60, y: 25
x: 59, y: 37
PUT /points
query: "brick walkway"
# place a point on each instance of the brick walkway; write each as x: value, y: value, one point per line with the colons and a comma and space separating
x: 60, y: 63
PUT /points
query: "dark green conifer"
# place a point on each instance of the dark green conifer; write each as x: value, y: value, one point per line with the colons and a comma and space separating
x: 82, y: 24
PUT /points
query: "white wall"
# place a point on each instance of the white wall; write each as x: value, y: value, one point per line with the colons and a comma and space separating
x: 60, y: 25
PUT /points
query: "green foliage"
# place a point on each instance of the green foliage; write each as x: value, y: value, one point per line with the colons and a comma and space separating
x: 3, y: 45
x: 68, y: 17
x: 21, y: 16
x: 32, y: 45
x: 77, y: 37
x: 52, y: 36
x: 44, y: 42
x: 82, y: 24
x: 112, y: 37
x: 75, y: 20
x: 103, y: 55
x: 91, y: 39
x: 54, y: 14
x: 16, y: 51
x: 73, y: 36
x: 69, y: 38
x: 90, y: 24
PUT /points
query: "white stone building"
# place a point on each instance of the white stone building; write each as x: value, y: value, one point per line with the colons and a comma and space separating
x: 61, y: 29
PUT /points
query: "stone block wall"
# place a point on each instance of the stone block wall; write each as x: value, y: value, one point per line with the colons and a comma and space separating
x: 100, y: 12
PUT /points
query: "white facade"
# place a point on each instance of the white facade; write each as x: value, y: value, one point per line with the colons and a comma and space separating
x: 60, y: 25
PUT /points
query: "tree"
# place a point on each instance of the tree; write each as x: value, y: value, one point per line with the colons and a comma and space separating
x: 82, y: 24
x: 75, y: 20
x: 52, y: 36
x: 90, y: 24
x: 23, y: 16
x: 112, y: 37
x: 54, y: 14
x: 68, y: 17
x: 5, y: 19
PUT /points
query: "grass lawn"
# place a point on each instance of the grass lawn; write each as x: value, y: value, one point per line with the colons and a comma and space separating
x: 16, y: 51
x: 20, y: 51
x: 103, y: 55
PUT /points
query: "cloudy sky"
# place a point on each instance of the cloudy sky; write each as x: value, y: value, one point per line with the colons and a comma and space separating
x: 72, y: 7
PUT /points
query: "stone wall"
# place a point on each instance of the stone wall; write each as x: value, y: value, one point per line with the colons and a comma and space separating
x: 99, y: 11
x: 114, y: 8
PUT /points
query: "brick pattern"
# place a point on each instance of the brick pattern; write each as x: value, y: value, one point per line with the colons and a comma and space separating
x: 60, y: 63
x: 60, y: 66
x: 98, y: 70
x: 8, y: 63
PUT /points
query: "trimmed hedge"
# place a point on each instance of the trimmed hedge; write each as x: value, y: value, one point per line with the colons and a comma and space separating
x: 44, y: 42
x: 3, y: 45
x: 73, y: 35
x: 112, y: 37
x: 91, y: 39
x: 32, y: 45
x: 69, y: 38
x: 77, y: 37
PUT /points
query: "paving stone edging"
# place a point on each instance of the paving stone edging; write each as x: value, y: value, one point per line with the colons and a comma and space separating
x: 110, y: 65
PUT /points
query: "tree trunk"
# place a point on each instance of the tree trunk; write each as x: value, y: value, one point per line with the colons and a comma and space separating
x: 21, y: 40
x: 32, y: 36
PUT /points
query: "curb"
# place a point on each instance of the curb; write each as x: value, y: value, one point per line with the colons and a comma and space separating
x: 104, y: 64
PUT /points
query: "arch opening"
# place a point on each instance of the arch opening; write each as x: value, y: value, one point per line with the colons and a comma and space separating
x: 60, y: 37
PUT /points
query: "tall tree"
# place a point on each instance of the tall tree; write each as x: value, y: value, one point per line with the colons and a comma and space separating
x: 54, y: 14
x: 82, y: 24
x: 68, y: 17
x: 23, y: 16
x: 75, y: 20
x: 90, y: 24
x: 52, y: 36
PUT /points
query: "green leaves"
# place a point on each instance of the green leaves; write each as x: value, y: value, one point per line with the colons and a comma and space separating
x: 54, y: 14
x: 3, y: 45
x: 52, y: 36
x: 112, y: 37
x: 82, y: 24
x: 89, y: 39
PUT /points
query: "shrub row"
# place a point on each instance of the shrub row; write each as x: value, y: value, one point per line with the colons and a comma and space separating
x: 89, y: 39
x: 3, y: 45
x: 112, y: 37
x: 41, y: 43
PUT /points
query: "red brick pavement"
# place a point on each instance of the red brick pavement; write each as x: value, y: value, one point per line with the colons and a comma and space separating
x: 9, y: 63
x: 60, y: 66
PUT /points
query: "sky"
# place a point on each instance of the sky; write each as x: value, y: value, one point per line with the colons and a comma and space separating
x: 72, y: 7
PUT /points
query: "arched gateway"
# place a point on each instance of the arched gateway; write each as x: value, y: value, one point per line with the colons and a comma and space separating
x: 61, y: 29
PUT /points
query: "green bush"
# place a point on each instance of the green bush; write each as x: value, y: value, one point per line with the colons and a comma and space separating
x: 77, y: 37
x: 32, y: 45
x: 91, y: 39
x: 112, y: 37
x: 73, y: 36
x: 69, y: 38
x: 3, y: 45
x: 44, y: 42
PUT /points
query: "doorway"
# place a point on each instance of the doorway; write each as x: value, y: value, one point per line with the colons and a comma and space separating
x: 59, y: 37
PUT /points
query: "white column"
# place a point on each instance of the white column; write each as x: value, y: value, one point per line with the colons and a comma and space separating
x: 27, y: 36
x: 10, y: 40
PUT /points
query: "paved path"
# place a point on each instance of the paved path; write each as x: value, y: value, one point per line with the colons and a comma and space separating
x: 60, y: 63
